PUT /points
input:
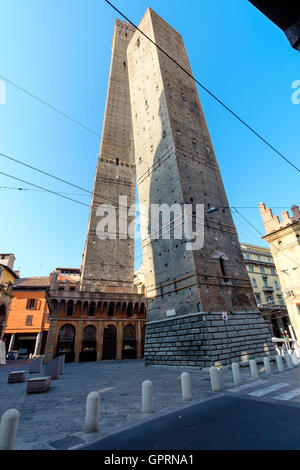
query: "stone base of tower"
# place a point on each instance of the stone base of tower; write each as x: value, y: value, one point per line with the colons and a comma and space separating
x: 205, y: 339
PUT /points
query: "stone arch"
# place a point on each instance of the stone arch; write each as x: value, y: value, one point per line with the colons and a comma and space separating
x: 118, y: 308
x: 62, y: 307
x: 66, y: 341
x: 85, y: 308
x: 136, y: 309
x: 129, y: 342
x: 142, y: 309
x: 104, y: 309
x: 89, y: 344
x: 92, y: 309
x: 70, y: 308
x: 78, y: 308
x: 124, y: 309
x: 129, y: 309
x: 99, y: 306
x: 111, y: 309
x: 109, y: 342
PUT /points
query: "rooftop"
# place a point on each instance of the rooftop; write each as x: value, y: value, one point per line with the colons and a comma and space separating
x: 33, y: 282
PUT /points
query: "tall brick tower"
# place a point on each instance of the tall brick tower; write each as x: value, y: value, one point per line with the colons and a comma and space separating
x: 102, y: 315
x: 187, y: 291
x: 111, y: 262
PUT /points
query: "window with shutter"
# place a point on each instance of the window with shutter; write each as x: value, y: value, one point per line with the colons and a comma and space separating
x: 29, y: 320
x: 31, y: 304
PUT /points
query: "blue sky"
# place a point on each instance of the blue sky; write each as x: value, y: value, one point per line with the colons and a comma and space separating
x: 60, y: 51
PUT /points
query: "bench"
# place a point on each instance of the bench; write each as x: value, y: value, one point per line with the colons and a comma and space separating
x: 38, y: 385
x: 16, y: 376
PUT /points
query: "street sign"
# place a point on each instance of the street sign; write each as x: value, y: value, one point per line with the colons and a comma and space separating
x: 225, y: 316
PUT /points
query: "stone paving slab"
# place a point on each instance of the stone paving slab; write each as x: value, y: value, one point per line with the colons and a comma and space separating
x: 60, y: 413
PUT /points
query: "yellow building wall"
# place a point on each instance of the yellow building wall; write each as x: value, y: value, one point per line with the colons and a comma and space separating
x: 256, y: 258
x: 6, y: 276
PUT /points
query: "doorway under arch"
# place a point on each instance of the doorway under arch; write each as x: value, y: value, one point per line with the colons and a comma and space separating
x: 89, y: 344
x: 129, y: 342
x: 109, y: 342
x: 65, y: 342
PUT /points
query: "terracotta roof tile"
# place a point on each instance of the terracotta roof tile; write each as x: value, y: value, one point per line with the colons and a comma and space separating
x: 43, y: 281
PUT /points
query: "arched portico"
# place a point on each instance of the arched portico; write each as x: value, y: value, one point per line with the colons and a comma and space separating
x: 89, y: 344
x: 65, y: 342
x: 129, y: 342
x: 109, y: 342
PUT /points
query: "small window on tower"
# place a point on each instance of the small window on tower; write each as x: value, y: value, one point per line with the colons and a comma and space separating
x: 221, y: 261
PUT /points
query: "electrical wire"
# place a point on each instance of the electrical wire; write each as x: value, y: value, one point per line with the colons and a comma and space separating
x: 259, y: 136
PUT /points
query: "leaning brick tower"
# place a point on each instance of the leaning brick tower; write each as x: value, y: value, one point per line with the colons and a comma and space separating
x: 187, y: 291
x: 110, y: 262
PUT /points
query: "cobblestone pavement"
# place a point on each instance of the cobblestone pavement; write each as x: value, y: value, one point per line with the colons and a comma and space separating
x: 55, y: 419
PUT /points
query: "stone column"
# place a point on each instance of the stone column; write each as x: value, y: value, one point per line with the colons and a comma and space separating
x: 120, y: 341
x: 100, y: 342
x: 139, y: 340
x: 11, y: 343
x: 78, y: 338
x: 51, y: 341
x: 38, y: 343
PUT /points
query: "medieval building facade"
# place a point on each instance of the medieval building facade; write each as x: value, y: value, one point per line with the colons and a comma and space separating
x: 284, y: 239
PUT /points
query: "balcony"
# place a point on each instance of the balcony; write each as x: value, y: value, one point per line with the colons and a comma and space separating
x: 268, y: 289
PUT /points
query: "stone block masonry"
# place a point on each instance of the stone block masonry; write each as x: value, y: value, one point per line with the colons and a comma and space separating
x: 196, y: 340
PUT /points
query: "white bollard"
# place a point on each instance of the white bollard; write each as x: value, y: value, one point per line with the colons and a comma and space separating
x: 186, y: 386
x: 297, y: 350
x: 147, y: 397
x: 279, y: 363
x: 92, y: 412
x: 295, y: 359
x: 288, y: 359
x: 215, y: 379
x: 267, y: 365
x: 253, y: 369
x: 236, y: 373
x: 8, y: 429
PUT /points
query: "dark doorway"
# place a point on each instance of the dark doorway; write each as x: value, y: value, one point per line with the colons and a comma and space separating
x: 89, y: 344
x: 65, y: 342
x: 2, y: 317
x: 276, y: 328
x: 129, y: 342
x: 143, y: 339
x: 109, y: 342
x: 25, y: 346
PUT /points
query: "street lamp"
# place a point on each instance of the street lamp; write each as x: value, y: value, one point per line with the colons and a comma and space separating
x: 212, y: 209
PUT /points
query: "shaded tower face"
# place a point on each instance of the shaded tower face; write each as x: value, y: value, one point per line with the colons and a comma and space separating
x: 176, y: 164
x: 110, y: 262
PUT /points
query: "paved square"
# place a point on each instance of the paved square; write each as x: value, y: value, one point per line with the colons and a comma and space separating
x: 59, y: 414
